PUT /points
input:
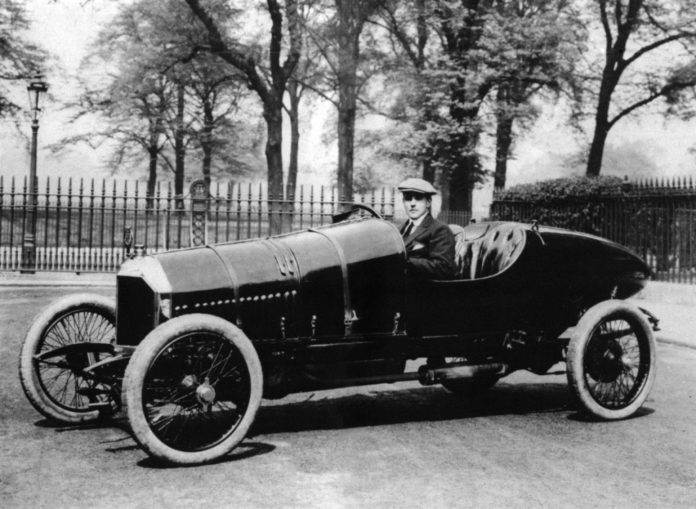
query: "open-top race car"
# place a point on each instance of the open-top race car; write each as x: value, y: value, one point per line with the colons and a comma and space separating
x: 197, y: 337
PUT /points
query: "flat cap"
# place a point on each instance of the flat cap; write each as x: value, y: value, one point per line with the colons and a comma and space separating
x: 416, y: 185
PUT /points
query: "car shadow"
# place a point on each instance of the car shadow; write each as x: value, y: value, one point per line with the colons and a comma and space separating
x: 243, y: 451
x: 325, y: 410
x: 583, y: 417
x: 375, y: 408
x: 60, y: 427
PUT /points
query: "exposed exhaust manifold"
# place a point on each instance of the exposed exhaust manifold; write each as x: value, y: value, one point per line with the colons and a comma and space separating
x: 429, y: 375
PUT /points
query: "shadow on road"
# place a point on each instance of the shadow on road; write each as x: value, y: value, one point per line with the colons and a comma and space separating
x: 378, y: 407
x: 581, y: 417
x: 244, y: 451
x: 408, y: 405
x: 62, y: 426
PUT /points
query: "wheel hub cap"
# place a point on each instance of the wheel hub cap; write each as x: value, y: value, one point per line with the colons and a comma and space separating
x: 609, y: 363
x: 205, y: 393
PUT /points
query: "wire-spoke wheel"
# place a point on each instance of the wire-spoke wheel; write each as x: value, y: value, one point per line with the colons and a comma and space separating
x: 192, y: 389
x: 63, y: 340
x: 611, y: 360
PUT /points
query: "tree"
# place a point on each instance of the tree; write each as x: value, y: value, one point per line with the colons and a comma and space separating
x: 634, y: 31
x: 451, y: 77
x: 408, y: 24
x: 351, y: 16
x: 216, y: 94
x: 303, y: 77
x: 335, y: 29
x: 537, y: 43
x: 125, y: 87
x: 270, y: 89
x: 20, y: 59
x: 463, y: 83
x: 156, y: 93
x: 134, y: 110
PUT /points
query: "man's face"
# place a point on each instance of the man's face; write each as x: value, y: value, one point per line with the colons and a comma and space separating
x: 416, y: 204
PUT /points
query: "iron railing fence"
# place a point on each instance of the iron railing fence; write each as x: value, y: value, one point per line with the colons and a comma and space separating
x: 81, y: 225
x: 657, y: 221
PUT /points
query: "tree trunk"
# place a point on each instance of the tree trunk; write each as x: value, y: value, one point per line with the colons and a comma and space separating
x: 601, y: 131
x: 153, y: 153
x: 459, y: 151
x: 295, y: 95
x: 271, y: 93
x: 346, y: 140
x: 461, y: 182
x: 428, y: 169
x: 429, y: 153
x: 207, y: 142
x: 152, y: 176
x: 614, y: 66
x: 456, y: 150
x: 349, y: 28
x: 179, y: 149
x: 503, y: 141
x: 273, y: 114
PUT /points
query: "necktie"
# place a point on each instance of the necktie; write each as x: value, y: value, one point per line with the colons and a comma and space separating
x: 408, y: 229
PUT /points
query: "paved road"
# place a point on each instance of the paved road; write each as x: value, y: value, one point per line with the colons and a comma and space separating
x: 377, y: 446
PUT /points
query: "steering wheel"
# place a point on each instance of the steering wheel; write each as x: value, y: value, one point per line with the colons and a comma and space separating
x: 357, y: 210
x: 358, y: 207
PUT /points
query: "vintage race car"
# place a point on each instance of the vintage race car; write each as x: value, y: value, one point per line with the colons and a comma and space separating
x: 197, y: 337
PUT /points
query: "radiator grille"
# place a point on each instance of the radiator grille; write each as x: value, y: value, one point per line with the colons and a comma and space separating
x: 136, y: 311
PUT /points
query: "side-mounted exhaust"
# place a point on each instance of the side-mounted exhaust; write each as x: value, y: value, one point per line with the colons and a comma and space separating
x: 428, y: 375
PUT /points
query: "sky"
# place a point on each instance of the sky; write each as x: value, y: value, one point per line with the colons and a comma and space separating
x: 646, y: 145
x: 65, y: 28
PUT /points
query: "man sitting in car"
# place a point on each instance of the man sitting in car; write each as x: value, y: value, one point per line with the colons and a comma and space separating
x: 429, y: 242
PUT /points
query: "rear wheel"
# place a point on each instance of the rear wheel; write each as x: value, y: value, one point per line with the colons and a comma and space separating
x: 51, y: 372
x: 611, y: 360
x: 192, y: 389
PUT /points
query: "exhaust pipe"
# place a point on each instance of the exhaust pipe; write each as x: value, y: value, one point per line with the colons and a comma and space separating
x: 457, y: 371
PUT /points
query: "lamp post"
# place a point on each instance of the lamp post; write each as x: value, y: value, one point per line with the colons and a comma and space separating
x: 36, y: 90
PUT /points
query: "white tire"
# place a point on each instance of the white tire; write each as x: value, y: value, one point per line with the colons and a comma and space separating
x: 53, y: 383
x: 611, y: 360
x: 192, y: 389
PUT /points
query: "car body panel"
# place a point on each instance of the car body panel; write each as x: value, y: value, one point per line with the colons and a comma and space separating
x: 347, y: 282
x: 308, y: 283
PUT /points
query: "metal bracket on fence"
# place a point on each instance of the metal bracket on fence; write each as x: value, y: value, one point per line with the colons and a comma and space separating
x: 127, y: 240
x: 199, y: 212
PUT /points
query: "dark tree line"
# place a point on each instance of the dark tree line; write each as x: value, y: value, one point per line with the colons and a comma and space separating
x: 181, y: 80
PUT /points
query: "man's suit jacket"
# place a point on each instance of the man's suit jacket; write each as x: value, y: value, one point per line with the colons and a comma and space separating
x: 430, y: 249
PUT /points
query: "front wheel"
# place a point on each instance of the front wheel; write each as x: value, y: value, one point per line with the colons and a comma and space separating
x: 192, y: 389
x: 611, y: 360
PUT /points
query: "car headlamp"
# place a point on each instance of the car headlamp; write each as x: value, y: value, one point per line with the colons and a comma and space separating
x: 166, y: 307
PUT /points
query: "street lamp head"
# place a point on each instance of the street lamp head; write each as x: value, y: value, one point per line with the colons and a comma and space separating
x: 36, y: 89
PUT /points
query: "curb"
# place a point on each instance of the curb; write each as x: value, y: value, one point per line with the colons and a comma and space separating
x: 675, y: 342
x: 60, y: 279
x: 669, y: 293
x: 44, y: 284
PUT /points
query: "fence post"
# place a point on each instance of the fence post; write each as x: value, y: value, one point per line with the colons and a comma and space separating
x: 199, y: 209
x: 28, y: 264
